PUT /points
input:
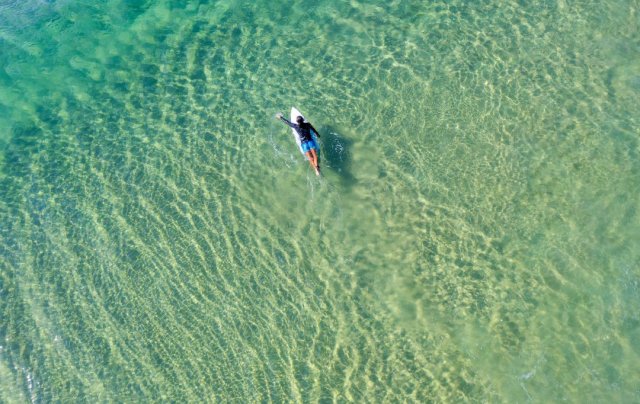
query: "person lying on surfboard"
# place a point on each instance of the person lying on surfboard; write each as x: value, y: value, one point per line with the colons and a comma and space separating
x: 307, y: 143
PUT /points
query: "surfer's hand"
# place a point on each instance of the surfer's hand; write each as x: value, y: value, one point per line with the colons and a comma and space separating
x: 278, y: 115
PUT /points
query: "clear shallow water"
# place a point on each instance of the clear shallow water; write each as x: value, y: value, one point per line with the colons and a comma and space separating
x: 475, y: 237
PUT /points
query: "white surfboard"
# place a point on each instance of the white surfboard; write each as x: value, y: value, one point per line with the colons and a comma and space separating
x: 294, y: 115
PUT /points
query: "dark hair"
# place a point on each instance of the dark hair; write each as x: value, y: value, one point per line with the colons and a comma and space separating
x: 299, y: 119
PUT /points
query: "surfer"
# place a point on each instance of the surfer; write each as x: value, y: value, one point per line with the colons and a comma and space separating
x: 307, y: 143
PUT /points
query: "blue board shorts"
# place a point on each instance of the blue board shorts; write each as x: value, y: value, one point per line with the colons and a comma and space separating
x: 308, y: 145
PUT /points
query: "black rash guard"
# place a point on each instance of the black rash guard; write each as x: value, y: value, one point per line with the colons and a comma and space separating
x: 304, y: 130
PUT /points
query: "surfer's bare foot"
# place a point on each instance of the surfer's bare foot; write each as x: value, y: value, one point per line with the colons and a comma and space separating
x: 317, y: 170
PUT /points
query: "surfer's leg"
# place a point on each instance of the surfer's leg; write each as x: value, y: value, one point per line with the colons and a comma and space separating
x: 313, y: 160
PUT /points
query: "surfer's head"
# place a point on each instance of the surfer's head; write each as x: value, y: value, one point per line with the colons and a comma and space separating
x: 299, y: 120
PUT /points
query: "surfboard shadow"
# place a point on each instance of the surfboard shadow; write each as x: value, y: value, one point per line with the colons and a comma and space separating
x: 336, y: 153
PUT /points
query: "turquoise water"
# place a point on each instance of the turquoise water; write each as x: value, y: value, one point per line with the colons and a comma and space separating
x: 475, y: 236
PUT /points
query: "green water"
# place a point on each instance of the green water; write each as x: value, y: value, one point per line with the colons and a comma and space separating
x: 475, y: 236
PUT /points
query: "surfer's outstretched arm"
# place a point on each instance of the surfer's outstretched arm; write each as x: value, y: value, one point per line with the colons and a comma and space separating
x: 285, y: 120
